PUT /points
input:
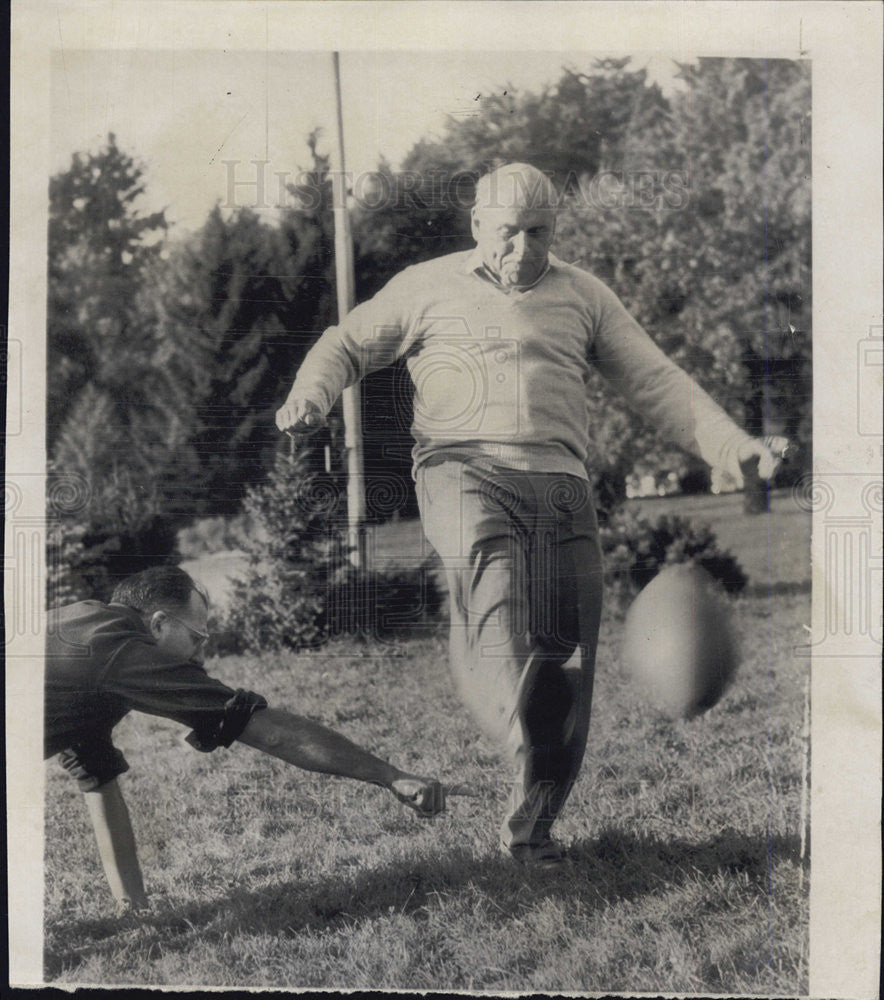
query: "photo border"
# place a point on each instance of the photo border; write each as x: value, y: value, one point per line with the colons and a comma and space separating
x: 843, y: 43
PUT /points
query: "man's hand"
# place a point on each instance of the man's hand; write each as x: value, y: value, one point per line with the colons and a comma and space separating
x: 425, y: 796
x: 768, y: 452
x: 299, y: 416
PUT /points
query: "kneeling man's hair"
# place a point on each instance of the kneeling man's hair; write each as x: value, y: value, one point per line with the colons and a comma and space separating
x: 160, y: 588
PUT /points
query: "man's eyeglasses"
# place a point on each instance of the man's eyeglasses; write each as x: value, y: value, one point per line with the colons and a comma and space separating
x: 200, y: 638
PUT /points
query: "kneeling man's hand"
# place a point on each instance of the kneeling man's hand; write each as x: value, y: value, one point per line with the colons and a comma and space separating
x: 425, y: 796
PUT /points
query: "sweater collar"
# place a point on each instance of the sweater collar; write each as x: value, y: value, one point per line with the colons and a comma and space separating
x: 475, y: 265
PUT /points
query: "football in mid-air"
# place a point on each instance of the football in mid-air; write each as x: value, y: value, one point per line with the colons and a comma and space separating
x: 678, y: 642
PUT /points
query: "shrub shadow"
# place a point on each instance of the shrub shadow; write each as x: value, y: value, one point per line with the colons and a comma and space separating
x: 614, y: 866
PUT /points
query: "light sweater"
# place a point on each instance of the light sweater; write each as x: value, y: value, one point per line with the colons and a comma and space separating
x: 500, y: 375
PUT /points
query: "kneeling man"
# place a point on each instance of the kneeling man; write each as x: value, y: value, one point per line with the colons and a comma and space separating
x: 144, y: 651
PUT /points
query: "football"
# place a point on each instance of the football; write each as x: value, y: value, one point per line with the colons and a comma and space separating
x: 678, y: 642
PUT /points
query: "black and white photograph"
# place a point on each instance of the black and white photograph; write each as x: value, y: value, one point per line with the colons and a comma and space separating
x: 443, y: 498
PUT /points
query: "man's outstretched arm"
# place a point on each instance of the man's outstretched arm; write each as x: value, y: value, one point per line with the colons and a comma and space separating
x: 116, y: 844
x: 666, y: 396
x: 314, y: 747
x: 371, y: 336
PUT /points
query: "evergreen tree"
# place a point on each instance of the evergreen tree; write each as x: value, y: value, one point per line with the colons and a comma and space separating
x: 116, y: 416
x: 108, y: 401
x: 245, y: 302
x: 294, y: 553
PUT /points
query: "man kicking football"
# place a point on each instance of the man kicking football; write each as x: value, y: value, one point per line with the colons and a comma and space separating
x: 144, y: 651
x: 500, y: 342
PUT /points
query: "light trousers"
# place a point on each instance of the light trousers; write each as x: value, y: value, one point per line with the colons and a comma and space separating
x: 522, y: 559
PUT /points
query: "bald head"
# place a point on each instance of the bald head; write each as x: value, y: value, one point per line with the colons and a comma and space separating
x: 514, y: 221
x: 516, y: 185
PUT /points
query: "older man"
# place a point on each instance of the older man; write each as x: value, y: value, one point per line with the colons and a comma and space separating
x: 500, y: 342
x: 144, y: 651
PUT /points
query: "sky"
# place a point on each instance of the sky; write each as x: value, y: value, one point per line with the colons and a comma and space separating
x: 197, y: 120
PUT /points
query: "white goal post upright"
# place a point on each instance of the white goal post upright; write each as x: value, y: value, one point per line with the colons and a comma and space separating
x: 346, y: 289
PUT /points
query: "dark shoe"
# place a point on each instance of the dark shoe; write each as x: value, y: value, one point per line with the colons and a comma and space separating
x: 543, y: 855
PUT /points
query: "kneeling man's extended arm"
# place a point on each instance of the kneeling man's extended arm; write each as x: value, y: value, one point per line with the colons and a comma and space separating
x: 312, y: 746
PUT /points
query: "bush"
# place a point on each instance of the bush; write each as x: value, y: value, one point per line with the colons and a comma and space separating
x: 279, y: 601
x: 635, y: 550
x: 268, y: 611
x: 696, y: 479
x: 86, y: 563
x: 67, y: 569
x: 299, y: 587
x: 383, y: 602
x: 99, y: 533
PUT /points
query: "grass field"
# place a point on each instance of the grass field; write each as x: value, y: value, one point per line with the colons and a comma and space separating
x: 685, y: 873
